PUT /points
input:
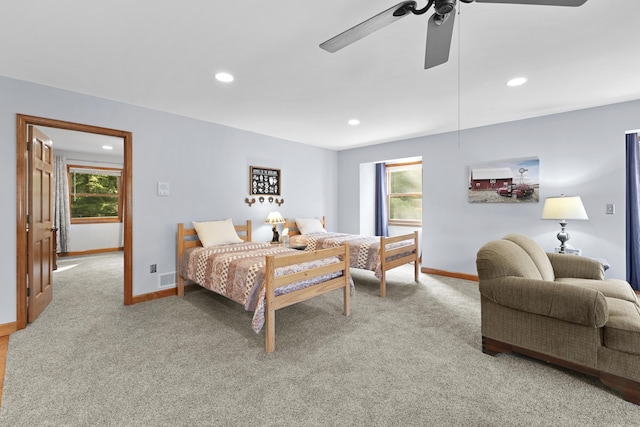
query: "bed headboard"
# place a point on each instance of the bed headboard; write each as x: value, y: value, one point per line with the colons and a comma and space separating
x: 293, y: 227
x: 188, y: 238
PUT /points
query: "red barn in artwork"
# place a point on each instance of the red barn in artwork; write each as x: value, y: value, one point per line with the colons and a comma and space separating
x: 483, y: 179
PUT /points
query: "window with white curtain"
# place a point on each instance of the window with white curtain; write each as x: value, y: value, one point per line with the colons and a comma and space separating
x: 94, y: 194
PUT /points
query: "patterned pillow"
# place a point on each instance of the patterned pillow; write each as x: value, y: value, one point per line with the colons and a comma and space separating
x: 216, y: 233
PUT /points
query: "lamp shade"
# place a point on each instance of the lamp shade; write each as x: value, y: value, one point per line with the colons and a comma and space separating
x: 274, y: 218
x: 569, y: 207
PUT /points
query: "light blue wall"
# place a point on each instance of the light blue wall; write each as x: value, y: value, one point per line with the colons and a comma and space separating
x: 206, y: 165
x: 581, y: 153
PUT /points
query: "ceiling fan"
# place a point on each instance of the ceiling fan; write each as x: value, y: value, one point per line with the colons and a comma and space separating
x: 439, y: 29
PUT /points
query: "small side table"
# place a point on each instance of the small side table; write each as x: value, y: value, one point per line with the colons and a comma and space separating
x: 297, y: 247
x: 300, y: 247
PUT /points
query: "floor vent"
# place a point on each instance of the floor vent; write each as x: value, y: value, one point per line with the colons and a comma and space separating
x: 166, y: 280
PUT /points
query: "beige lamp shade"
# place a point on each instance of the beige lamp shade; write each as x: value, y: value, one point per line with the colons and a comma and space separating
x: 274, y: 218
x: 564, y: 207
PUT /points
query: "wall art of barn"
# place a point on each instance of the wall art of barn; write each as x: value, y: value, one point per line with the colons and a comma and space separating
x: 505, y: 181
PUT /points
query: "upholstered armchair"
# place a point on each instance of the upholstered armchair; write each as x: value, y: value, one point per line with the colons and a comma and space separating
x: 560, y: 309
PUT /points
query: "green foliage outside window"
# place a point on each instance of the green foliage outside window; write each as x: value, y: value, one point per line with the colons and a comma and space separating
x: 405, y: 193
x: 94, y: 195
x: 406, y: 208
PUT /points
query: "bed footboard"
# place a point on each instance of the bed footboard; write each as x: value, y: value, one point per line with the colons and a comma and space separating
x: 274, y: 303
x: 387, y: 260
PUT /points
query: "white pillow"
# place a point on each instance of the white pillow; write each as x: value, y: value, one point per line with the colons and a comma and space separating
x: 309, y: 226
x: 215, y: 233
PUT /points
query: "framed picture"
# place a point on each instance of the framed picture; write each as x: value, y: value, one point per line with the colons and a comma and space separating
x: 264, y: 181
x: 505, y: 181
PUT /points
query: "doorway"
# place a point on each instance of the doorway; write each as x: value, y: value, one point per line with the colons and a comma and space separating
x: 22, y: 207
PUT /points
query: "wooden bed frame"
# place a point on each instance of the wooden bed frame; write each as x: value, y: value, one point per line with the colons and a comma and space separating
x: 384, y: 253
x: 188, y: 238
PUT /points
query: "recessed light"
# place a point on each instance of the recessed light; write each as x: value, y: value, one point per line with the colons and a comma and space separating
x: 354, y: 122
x: 517, y: 81
x: 107, y: 147
x: 224, y: 77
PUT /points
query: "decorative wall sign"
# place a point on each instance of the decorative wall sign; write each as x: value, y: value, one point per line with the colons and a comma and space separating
x: 264, y: 181
x: 505, y: 181
x: 251, y: 201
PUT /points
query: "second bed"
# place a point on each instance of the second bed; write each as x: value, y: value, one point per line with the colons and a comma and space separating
x: 377, y: 254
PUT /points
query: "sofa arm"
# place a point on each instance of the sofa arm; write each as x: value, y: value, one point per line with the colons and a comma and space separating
x: 571, y: 303
x: 576, y: 266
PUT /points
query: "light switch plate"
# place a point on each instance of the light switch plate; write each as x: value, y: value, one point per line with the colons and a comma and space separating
x: 163, y: 189
x: 611, y: 208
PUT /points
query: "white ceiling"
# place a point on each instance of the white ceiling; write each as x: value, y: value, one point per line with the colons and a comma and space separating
x: 84, y: 142
x: 163, y: 55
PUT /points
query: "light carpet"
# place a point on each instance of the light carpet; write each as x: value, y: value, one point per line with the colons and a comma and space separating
x: 411, y: 359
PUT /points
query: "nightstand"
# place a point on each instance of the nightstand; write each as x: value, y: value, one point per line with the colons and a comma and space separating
x: 296, y: 247
x: 301, y: 247
x: 604, y: 262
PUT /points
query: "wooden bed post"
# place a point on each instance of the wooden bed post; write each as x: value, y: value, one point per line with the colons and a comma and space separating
x: 269, y: 310
x: 347, y: 286
x: 383, y: 267
x: 248, y: 232
x: 416, y: 266
x: 179, y: 250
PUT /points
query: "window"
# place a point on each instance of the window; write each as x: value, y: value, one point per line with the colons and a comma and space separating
x: 94, y: 194
x: 404, y: 193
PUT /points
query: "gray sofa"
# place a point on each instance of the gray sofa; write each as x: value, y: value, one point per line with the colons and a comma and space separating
x: 560, y: 309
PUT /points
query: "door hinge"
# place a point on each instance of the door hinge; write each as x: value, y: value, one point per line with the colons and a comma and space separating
x: 28, y: 145
x: 28, y: 219
x: 28, y: 292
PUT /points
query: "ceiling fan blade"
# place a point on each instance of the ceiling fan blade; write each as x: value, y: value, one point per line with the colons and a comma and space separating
x: 573, y: 3
x: 367, y: 27
x: 439, y: 34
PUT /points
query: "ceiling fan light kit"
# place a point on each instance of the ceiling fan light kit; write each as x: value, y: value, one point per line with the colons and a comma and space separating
x: 439, y: 27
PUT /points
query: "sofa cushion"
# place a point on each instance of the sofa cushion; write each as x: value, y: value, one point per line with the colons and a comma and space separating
x: 537, y: 254
x: 576, y: 266
x: 502, y: 258
x: 611, y: 288
x: 575, y: 304
x: 622, y: 330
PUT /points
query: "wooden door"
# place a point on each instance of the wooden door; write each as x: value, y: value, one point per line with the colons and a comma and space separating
x: 40, y: 244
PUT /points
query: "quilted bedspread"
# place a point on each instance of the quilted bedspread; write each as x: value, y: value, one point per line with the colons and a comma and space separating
x: 364, y: 251
x: 237, y: 271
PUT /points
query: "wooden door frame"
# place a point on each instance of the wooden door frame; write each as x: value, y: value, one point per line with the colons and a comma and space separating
x: 22, y: 121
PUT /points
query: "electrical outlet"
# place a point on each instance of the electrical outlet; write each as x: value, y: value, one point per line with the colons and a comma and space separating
x: 153, y: 268
x: 611, y: 208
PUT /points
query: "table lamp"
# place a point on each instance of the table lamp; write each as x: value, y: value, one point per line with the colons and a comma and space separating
x: 274, y: 218
x: 563, y: 208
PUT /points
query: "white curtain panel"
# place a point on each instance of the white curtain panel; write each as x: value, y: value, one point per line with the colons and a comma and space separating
x: 61, y: 209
